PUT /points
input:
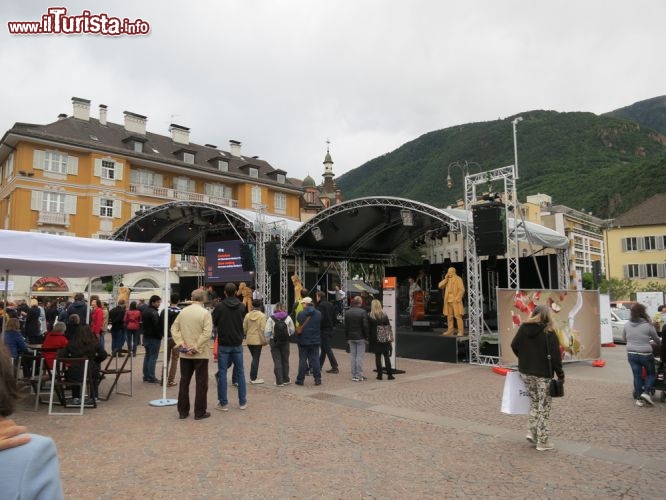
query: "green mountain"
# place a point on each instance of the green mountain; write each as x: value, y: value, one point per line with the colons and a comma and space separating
x: 602, y: 164
x: 649, y: 113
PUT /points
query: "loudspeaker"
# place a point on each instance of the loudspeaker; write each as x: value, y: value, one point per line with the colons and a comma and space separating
x: 247, y: 259
x: 272, y: 258
x: 489, y: 228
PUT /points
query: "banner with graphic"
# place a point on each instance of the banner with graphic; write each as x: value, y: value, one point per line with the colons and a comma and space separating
x: 575, y: 314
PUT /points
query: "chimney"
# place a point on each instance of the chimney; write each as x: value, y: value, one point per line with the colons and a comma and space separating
x: 102, y: 114
x: 81, y: 108
x: 235, y: 148
x: 179, y: 134
x: 135, y: 123
x: 62, y: 116
x: 211, y: 146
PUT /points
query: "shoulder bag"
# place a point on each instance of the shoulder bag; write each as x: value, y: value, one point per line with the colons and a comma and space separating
x: 556, y: 388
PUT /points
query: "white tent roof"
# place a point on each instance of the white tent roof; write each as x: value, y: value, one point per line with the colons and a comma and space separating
x: 528, y: 231
x: 30, y: 254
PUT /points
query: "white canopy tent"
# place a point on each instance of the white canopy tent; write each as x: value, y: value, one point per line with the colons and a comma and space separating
x: 27, y: 254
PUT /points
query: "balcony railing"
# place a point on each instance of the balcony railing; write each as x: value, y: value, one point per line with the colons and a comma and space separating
x: 53, y: 219
x: 175, y: 194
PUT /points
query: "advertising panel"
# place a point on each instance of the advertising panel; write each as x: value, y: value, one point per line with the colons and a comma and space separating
x: 224, y: 264
x: 575, y: 314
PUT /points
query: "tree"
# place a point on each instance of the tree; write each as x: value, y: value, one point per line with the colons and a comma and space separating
x: 653, y: 286
x: 588, y: 281
x: 618, y: 289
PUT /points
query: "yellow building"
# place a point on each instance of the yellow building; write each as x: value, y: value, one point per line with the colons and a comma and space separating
x: 636, y: 242
x: 84, y: 176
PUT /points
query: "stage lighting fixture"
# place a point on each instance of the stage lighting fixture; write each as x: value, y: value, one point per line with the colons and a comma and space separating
x: 316, y: 232
x: 407, y: 217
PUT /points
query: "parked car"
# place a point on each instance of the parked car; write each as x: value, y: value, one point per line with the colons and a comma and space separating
x: 622, y: 304
x: 619, y: 317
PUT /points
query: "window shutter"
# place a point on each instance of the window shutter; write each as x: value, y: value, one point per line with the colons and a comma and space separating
x: 70, y: 204
x: 641, y: 243
x: 660, y: 242
x: 625, y: 271
x: 624, y: 245
x: 36, y: 200
x: 95, y: 206
x: 38, y: 159
x: 119, y: 171
x: 117, y: 208
x: 642, y: 271
x: 661, y: 270
x: 97, y: 171
x: 73, y: 165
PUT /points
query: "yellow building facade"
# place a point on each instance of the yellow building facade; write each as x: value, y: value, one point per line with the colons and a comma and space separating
x: 636, y: 243
x: 84, y: 176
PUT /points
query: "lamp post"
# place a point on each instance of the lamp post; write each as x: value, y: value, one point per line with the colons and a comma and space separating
x: 465, y: 168
x: 515, y: 147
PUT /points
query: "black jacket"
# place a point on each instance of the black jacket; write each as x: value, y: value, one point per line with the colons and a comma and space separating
x: 529, y: 345
x: 327, y: 316
x: 356, y: 324
x: 117, y: 318
x: 78, y: 307
x: 228, y: 319
x: 152, y: 326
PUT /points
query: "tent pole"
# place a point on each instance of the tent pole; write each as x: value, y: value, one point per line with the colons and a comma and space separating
x: 165, y: 343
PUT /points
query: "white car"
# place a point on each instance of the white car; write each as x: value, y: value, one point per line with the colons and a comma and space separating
x: 619, y: 317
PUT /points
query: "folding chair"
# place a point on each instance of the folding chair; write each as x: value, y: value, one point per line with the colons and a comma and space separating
x: 39, y: 375
x: 114, y: 369
x: 60, y: 383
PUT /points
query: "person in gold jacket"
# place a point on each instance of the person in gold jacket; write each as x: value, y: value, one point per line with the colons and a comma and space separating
x: 453, y: 291
x: 191, y: 331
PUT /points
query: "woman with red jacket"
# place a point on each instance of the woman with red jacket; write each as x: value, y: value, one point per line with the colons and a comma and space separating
x: 97, y: 320
x: 132, y: 327
x: 55, y: 339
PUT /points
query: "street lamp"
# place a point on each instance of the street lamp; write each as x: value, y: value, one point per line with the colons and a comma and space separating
x: 515, y: 147
x: 465, y: 168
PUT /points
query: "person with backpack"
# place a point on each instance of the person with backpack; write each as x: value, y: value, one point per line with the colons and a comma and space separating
x: 381, y: 338
x: 279, y: 327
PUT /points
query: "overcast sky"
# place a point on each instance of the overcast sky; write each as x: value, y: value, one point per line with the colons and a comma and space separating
x: 283, y: 76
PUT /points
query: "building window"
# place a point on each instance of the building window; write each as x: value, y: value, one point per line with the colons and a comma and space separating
x: 253, y: 172
x: 632, y: 271
x: 53, y: 202
x: 281, y: 178
x: 631, y: 244
x: 256, y: 195
x: 138, y: 147
x: 650, y: 242
x: 280, y: 202
x: 183, y: 184
x: 223, y: 165
x: 651, y: 271
x: 108, y: 169
x: 188, y: 158
x: 144, y: 177
x: 218, y: 190
x: 106, y: 207
x: 55, y: 162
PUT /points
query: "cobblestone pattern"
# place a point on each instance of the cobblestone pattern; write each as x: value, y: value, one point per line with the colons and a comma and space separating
x: 435, y: 432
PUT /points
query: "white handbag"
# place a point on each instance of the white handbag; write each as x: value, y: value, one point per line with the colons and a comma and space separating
x: 516, y: 397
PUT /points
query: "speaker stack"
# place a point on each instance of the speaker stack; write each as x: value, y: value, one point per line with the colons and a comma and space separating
x: 247, y: 259
x: 489, y: 228
x: 272, y: 258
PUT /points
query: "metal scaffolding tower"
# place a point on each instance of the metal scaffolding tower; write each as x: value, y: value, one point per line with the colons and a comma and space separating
x: 474, y: 288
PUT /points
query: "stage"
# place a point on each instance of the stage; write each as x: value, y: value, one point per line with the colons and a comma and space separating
x: 421, y: 342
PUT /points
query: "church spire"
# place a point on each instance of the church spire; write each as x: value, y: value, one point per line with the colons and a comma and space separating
x: 328, y: 161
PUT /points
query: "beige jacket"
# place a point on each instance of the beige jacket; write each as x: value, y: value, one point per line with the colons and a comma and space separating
x: 254, y: 324
x: 193, y: 328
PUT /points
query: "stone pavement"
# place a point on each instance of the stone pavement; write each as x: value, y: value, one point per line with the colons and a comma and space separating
x: 435, y: 432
